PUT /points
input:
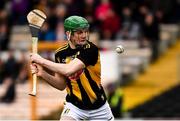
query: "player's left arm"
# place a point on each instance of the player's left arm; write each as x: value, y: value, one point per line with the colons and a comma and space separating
x: 64, y: 69
x: 86, y: 57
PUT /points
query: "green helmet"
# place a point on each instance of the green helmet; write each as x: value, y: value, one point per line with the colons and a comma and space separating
x: 73, y: 23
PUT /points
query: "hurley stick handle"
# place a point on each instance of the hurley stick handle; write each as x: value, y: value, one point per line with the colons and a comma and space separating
x: 34, y: 50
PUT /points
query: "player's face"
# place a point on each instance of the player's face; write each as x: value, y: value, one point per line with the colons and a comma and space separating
x: 80, y: 37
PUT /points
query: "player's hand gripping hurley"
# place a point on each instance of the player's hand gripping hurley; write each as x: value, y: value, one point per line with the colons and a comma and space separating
x: 35, y: 19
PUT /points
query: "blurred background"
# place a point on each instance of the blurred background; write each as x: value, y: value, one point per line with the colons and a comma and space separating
x: 141, y: 83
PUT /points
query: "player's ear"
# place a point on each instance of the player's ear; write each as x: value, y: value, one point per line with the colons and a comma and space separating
x: 65, y: 35
x: 67, y: 32
x: 68, y: 35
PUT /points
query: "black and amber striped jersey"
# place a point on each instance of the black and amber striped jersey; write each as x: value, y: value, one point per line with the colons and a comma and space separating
x: 84, y: 87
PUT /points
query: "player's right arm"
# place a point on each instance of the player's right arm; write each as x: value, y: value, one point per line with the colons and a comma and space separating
x: 56, y: 80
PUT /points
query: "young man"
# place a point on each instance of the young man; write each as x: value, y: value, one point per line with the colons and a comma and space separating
x: 78, y: 69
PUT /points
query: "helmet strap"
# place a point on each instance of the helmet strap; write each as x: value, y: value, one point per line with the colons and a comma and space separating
x: 69, y: 38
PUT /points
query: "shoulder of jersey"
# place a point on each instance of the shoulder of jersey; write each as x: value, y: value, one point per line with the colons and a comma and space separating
x: 63, y: 47
x: 92, y: 45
